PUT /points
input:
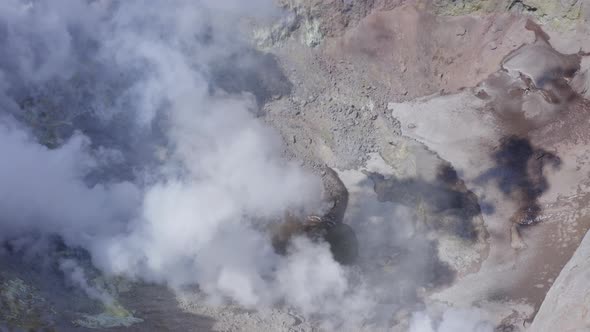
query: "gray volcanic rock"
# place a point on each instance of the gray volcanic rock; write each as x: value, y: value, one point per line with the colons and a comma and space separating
x: 567, y: 304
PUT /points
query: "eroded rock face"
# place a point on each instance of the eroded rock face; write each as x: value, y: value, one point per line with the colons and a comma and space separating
x: 559, y: 14
x: 314, y: 20
x: 332, y: 17
x: 329, y: 227
x: 462, y: 7
x: 567, y: 304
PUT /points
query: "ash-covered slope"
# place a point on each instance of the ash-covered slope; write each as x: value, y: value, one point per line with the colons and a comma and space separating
x: 566, y: 305
x: 483, y: 88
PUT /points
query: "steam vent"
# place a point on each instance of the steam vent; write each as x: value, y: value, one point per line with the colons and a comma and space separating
x: 295, y: 165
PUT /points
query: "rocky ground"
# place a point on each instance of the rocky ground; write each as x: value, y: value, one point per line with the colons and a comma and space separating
x: 460, y: 131
x: 478, y: 85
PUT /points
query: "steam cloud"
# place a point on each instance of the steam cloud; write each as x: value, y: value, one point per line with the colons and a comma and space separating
x: 144, y: 161
x: 452, y: 320
x: 116, y: 136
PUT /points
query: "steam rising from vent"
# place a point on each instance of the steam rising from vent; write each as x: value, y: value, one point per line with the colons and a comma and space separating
x: 129, y: 128
x: 117, y: 138
x: 468, y: 320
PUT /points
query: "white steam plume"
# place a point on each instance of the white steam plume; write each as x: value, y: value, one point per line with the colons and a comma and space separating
x: 128, y: 79
x: 75, y: 273
x: 452, y: 320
